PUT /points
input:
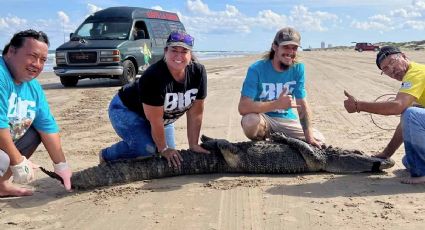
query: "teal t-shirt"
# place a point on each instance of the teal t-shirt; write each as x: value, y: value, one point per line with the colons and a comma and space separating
x: 264, y: 83
x: 23, y: 105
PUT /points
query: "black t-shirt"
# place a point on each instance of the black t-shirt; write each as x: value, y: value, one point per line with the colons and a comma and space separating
x: 157, y: 87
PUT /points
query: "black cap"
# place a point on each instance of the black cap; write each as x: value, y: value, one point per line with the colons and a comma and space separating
x: 385, y: 52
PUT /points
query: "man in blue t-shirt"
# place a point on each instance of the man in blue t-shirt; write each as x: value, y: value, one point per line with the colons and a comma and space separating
x: 25, y: 117
x: 272, y: 87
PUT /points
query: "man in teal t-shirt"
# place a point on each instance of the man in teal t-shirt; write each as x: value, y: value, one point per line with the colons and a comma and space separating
x: 272, y: 87
x: 25, y: 117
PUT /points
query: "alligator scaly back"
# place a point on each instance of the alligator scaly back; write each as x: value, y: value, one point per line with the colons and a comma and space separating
x: 279, y: 155
x: 125, y: 171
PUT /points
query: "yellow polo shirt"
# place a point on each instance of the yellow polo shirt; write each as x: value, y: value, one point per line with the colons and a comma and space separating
x: 413, y: 82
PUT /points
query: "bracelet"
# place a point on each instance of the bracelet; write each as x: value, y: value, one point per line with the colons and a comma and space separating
x: 357, y: 107
x: 164, y: 149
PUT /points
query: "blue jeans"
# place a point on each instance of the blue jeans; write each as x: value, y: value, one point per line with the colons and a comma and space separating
x: 135, y: 132
x: 413, y: 124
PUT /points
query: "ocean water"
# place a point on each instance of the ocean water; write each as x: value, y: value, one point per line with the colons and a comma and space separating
x: 205, y: 55
x: 201, y: 55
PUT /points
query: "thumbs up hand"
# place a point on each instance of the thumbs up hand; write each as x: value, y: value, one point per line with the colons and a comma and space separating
x: 350, y: 103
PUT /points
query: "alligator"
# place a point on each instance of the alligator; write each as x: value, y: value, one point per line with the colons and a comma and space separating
x: 278, y: 155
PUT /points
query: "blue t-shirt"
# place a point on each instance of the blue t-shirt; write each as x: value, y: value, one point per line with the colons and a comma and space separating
x: 23, y: 105
x: 264, y: 83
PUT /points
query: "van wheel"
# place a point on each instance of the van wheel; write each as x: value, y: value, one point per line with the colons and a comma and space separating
x: 129, y: 73
x: 360, y: 50
x: 69, y: 81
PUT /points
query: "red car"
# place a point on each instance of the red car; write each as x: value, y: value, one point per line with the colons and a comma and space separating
x: 364, y: 46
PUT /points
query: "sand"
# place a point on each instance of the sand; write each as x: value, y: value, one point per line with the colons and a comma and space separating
x: 230, y: 201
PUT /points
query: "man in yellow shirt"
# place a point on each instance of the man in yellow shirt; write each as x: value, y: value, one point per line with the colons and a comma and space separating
x: 411, y: 129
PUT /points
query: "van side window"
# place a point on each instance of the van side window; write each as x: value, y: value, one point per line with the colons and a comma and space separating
x: 161, y: 30
x: 140, y: 31
x: 104, y: 30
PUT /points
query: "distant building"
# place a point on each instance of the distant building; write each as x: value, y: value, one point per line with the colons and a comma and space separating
x: 322, y: 45
x: 329, y: 45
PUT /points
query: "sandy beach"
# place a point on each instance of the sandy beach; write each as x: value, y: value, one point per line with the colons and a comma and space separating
x: 229, y: 201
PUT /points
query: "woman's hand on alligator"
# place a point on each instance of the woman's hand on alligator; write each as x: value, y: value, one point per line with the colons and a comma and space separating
x: 173, y: 157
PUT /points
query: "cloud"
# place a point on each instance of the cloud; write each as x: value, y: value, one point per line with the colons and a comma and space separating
x: 419, y: 4
x: 157, y: 8
x: 198, y: 7
x: 304, y: 19
x: 327, y: 3
x: 403, y: 13
x: 12, y: 22
x: 372, y: 25
x: 380, y: 18
x: 92, y: 8
x: 63, y: 17
x: 231, y: 20
x: 416, y: 25
x: 269, y: 19
x: 400, y: 18
x: 225, y: 21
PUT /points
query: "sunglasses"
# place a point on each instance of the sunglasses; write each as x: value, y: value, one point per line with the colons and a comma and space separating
x: 389, y: 67
x: 385, y: 55
x: 181, y: 37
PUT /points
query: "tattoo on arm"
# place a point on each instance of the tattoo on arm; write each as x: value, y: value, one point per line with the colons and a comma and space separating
x: 304, y: 115
x: 305, y: 122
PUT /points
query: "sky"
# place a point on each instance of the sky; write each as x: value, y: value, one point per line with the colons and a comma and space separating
x: 237, y: 25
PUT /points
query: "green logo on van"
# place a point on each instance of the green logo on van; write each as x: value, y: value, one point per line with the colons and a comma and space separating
x: 147, y: 55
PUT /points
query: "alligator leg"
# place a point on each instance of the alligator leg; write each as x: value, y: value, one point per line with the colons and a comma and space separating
x: 230, y: 153
x: 313, y: 157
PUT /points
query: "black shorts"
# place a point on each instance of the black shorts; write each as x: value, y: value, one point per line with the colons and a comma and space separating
x: 29, y: 142
x: 26, y: 145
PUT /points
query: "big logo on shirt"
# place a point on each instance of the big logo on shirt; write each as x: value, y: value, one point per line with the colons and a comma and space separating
x: 272, y: 91
x: 179, y: 101
x: 176, y: 104
x: 20, y: 115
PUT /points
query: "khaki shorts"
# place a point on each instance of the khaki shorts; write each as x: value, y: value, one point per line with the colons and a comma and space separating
x: 291, y: 128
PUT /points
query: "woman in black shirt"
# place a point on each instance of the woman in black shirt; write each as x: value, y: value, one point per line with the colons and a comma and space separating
x: 143, y: 113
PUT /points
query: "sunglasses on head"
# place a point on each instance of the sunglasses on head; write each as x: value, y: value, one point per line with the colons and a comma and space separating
x: 383, y: 56
x: 181, y: 37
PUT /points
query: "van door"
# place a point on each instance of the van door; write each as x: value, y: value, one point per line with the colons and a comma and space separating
x: 159, y: 30
x: 141, y: 45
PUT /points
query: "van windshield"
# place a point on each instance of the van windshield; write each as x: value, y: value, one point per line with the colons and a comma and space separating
x: 103, y: 31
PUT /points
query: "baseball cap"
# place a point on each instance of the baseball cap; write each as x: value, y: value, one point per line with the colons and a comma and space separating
x: 287, y: 36
x: 385, y: 52
x: 182, y: 39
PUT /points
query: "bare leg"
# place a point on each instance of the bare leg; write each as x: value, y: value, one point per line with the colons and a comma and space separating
x: 254, y: 126
x: 413, y: 180
x: 7, y: 189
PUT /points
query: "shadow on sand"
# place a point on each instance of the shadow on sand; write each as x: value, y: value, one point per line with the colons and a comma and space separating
x: 352, y: 185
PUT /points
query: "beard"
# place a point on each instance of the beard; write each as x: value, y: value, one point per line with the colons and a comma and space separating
x: 284, y: 66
